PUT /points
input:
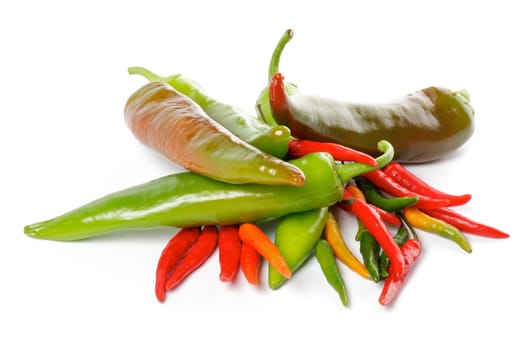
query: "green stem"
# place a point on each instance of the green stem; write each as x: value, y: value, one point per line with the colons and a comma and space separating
x: 276, y: 55
x: 350, y: 170
x: 146, y: 73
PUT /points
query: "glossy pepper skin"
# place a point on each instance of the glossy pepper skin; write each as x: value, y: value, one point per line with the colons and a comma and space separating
x: 188, y: 199
x: 270, y: 139
x: 326, y: 258
x: 171, y: 123
x: 296, y: 236
x: 423, y: 126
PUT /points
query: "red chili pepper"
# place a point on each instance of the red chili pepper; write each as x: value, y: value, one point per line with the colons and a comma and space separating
x: 196, y: 256
x: 386, y: 183
x: 172, y: 254
x: 465, y: 224
x: 387, y: 216
x: 404, y: 177
x: 373, y: 223
x: 411, y: 250
x: 250, y: 263
x: 300, y: 148
x: 229, y: 252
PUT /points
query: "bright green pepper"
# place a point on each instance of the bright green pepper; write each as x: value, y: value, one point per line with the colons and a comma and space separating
x: 296, y: 236
x: 263, y: 102
x: 270, y: 139
x: 326, y: 258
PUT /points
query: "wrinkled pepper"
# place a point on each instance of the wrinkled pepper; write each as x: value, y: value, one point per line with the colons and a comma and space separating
x: 296, y: 236
x: 262, y: 105
x: 171, y: 123
x: 423, y: 126
x: 326, y: 258
x: 187, y: 199
x: 270, y: 139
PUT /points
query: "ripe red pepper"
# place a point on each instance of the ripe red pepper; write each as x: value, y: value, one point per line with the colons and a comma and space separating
x: 373, y: 223
x: 406, y: 178
x: 411, y: 250
x: 387, y: 216
x: 172, y: 255
x: 229, y: 252
x: 386, y: 183
x: 465, y: 224
x: 300, y: 148
x: 196, y: 256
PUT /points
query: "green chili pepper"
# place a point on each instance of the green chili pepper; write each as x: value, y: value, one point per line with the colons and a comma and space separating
x: 375, y: 197
x: 296, y: 236
x: 270, y: 139
x: 262, y: 106
x: 171, y: 123
x: 400, y: 237
x: 188, y: 199
x: 370, y: 249
x: 422, y: 126
x: 326, y: 258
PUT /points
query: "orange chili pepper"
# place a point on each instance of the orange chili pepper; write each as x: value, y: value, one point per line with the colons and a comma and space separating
x: 332, y: 234
x: 250, y: 262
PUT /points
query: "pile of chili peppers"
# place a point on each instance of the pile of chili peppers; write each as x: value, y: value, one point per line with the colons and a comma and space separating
x: 298, y: 162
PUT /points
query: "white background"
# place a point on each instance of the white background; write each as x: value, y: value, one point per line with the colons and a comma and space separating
x: 63, y: 86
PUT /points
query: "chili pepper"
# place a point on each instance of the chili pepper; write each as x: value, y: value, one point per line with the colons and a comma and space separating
x: 171, y: 123
x: 195, y: 257
x: 170, y: 257
x: 411, y: 250
x: 375, y: 197
x: 269, y: 139
x: 377, y: 228
x: 262, y: 106
x: 425, y: 222
x: 229, y: 252
x: 250, y: 262
x: 423, y: 126
x: 346, y: 205
x: 400, y: 237
x: 326, y: 258
x: 295, y: 237
x: 333, y: 235
x: 355, y: 192
x: 407, y: 179
x: 299, y: 148
x: 384, y: 182
x: 370, y: 250
x: 465, y: 224
x: 251, y: 234
x: 187, y: 199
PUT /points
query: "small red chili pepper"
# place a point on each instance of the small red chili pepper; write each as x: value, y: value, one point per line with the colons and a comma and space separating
x: 387, y: 216
x: 300, y: 148
x: 376, y: 227
x: 172, y: 254
x: 411, y: 250
x: 250, y: 262
x: 196, y: 256
x: 465, y: 224
x: 406, y: 178
x: 386, y: 183
x: 229, y: 252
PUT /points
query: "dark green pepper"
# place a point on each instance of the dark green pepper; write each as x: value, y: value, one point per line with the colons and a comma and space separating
x: 375, y: 197
x: 270, y: 139
x: 326, y: 258
x: 400, y: 237
x: 296, y: 236
x: 422, y: 126
x: 370, y: 250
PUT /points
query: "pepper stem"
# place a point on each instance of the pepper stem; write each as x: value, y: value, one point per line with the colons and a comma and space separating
x: 276, y: 55
x: 146, y: 73
x: 350, y: 170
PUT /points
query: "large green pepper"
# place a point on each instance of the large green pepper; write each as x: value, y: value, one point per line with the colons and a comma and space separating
x: 270, y: 139
x: 296, y: 236
x: 422, y: 126
x: 188, y: 199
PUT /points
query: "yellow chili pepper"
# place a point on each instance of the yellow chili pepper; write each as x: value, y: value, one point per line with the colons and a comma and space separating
x: 356, y: 191
x: 332, y: 233
x: 425, y: 222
